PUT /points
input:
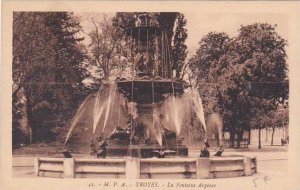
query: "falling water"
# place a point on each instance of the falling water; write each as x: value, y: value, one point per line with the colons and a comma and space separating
x: 215, y: 127
x: 98, y: 110
x: 178, y: 115
x: 99, y: 114
x: 175, y: 112
x: 76, y: 118
x: 109, y: 104
x: 198, y: 107
x: 157, y: 126
x: 107, y: 109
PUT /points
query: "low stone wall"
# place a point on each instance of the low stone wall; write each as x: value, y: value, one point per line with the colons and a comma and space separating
x: 168, y: 168
x: 135, y: 168
x: 50, y: 167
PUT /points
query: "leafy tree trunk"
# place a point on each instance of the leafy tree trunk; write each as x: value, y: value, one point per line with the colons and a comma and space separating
x: 29, y: 117
x: 47, y: 54
x: 238, y: 140
x: 259, y: 137
x: 240, y: 136
x: 249, y: 137
x: 179, y: 52
x: 232, y: 134
x: 272, y: 138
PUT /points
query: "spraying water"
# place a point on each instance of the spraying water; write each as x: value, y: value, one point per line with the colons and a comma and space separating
x: 76, y: 117
x: 178, y: 111
x: 98, y: 110
x: 106, y: 109
x: 215, y: 127
x: 99, y: 114
x: 109, y: 105
x: 198, y: 107
x: 176, y: 107
x: 157, y: 126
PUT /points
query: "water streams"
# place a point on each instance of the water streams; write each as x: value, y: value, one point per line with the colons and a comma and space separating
x: 76, y: 117
x: 176, y: 108
x: 157, y: 126
x: 198, y: 107
x: 215, y: 128
x: 102, y: 112
x: 98, y: 109
x: 112, y: 93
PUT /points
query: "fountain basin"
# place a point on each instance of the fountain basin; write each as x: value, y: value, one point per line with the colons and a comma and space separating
x: 150, y: 90
x: 145, y: 151
x: 151, y: 168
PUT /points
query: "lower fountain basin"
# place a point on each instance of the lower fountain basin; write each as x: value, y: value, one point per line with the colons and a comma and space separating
x: 138, y: 168
x: 145, y: 151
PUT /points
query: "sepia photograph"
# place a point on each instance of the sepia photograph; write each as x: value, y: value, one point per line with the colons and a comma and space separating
x: 185, y: 99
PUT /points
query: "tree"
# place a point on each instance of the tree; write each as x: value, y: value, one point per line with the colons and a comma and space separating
x: 47, y: 65
x: 166, y: 21
x: 123, y: 20
x: 106, y: 45
x: 179, y: 49
x: 263, y: 52
x: 29, y: 46
x: 263, y: 58
x: 279, y: 119
x: 205, y: 69
x: 261, y: 115
x: 23, y: 25
x: 239, y: 74
x: 174, y: 24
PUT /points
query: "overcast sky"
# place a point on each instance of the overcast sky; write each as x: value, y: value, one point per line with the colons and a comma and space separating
x: 200, y: 24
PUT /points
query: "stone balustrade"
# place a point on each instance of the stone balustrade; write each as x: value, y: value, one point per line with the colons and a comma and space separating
x: 137, y: 168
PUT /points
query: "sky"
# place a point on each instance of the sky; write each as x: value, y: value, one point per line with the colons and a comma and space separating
x: 200, y: 24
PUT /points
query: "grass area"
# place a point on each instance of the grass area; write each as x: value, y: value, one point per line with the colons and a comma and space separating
x: 39, y: 149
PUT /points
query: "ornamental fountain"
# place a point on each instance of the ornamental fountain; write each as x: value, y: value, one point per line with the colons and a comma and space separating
x: 143, y: 119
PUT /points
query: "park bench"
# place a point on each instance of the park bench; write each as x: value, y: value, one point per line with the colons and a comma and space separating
x: 228, y: 144
x: 284, y: 141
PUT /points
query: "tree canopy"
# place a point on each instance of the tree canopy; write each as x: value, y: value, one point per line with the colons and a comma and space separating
x: 244, y: 77
x: 179, y: 48
x: 47, y: 65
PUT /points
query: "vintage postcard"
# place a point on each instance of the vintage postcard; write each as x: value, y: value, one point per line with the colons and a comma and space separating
x: 99, y: 95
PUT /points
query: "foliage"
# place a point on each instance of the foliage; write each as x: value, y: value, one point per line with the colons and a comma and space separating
x: 281, y: 117
x: 107, y: 45
x: 179, y: 49
x: 244, y: 78
x: 123, y: 20
x: 263, y: 51
x: 47, y: 64
x: 166, y: 21
x: 17, y: 136
x: 206, y: 68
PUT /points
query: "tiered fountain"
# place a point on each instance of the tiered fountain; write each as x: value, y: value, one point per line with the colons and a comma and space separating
x: 141, y: 117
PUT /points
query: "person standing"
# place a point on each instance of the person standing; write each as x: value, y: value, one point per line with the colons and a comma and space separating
x: 101, y: 149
